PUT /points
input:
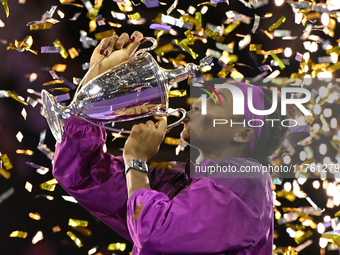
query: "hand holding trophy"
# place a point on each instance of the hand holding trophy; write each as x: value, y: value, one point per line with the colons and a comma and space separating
x: 120, y: 88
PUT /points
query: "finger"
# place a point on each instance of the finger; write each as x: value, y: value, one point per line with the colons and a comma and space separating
x: 135, y: 39
x: 161, y: 125
x: 122, y: 40
x: 111, y: 45
x: 130, y: 111
x: 150, y: 124
x: 144, y: 108
x: 138, y: 110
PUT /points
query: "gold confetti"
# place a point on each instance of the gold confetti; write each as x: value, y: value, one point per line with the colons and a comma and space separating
x: 335, y: 49
x: 59, y: 68
x: 49, y: 185
x: 198, y: 17
x: 5, y: 174
x: 255, y: 47
x: 92, y: 25
x: 77, y: 223
x: 41, y: 26
x: 15, y: 97
x: 134, y: 16
x: 286, y: 194
x: 207, y: 3
x: 114, y: 24
x: 165, y: 165
x: 334, y: 67
x: 183, y: 45
x: 267, y: 34
x: 5, y: 4
x: 105, y: 34
x: 34, y: 216
x: 74, y: 238
x: 83, y: 230
x: 26, y: 152
x: 178, y: 93
x: 214, y: 35
x: 301, y: 236
x: 56, y: 229
x: 63, y: 89
x: 231, y: 27
x: 53, y: 82
x: 28, y: 186
x: 224, y: 72
x: 116, y: 247
x: 19, y: 234
x: 138, y: 211
x: 6, y: 162
x: 277, y: 24
x: 189, y: 35
x: 26, y: 44
x: 73, y: 52
x: 277, y: 60
x: 164, y: 49
x: 63, y: 51
x: 172, y: 141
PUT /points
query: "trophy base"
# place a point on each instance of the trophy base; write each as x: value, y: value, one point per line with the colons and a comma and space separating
x: 54, y: 119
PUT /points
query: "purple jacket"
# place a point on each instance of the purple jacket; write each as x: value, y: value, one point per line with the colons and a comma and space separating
x: 180, y: 215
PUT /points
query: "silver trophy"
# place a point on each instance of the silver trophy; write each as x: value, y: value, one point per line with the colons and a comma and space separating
x: 136, y: 82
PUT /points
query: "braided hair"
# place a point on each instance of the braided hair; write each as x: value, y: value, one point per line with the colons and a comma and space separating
x: 272, y: 135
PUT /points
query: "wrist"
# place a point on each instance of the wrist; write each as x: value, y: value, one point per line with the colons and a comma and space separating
x: 129, y: 157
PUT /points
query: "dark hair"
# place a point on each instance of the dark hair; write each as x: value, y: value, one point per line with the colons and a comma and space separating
x: 271, y: 137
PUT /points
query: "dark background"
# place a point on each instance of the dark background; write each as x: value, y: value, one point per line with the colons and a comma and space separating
x: 15, y: 66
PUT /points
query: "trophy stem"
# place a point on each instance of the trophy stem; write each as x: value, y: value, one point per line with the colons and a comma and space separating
x: 53, y: 114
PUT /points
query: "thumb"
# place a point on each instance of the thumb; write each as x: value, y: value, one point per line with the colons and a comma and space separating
x: 161, y: 125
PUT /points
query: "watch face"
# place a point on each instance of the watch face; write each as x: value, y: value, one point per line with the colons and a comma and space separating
x: 139, y: 165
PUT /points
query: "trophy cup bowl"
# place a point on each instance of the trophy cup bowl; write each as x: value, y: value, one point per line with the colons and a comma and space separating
x: 139, y: 81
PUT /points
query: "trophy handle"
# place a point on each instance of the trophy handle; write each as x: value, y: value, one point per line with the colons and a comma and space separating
x: 154, y: 45
x: 169, y: 113
x: 157, y: 113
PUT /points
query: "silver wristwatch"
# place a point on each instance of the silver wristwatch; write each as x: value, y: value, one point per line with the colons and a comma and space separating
x: 136, y: 164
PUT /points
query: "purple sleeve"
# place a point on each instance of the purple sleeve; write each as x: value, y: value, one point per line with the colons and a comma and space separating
x: 95, y: 179
x: 204, y: 218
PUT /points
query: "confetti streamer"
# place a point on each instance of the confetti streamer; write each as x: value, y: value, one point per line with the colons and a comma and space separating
x: 277, y: 24
x: 278, y: 61
x: 256, y: 23
x: 6, y: 194
x: 5, y: 4
x: 63, y: 52
x: 172, y: 7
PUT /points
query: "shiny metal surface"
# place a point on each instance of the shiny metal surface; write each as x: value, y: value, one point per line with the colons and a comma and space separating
x: 136, y: 82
